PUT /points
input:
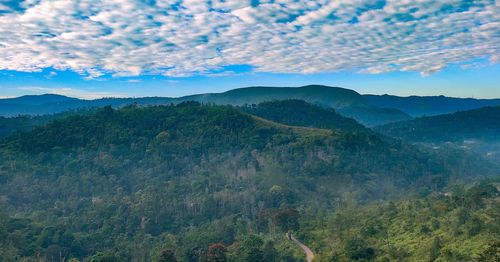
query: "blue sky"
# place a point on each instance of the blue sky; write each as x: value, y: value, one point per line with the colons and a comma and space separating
x: 92, y: 49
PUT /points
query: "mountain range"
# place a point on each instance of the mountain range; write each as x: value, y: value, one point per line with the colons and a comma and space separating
x: 370, y: 110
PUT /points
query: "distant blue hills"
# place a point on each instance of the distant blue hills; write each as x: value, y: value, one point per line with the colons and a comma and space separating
x: 370, y: 110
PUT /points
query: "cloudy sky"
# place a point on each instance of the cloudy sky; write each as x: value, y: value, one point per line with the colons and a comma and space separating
x: 89, y: 48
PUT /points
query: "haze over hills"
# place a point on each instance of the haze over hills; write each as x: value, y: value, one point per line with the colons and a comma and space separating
x: 475, y: 130
x: 370, y: 110
x: 334, y: 97
x: 483, y: 123
x: 417, y: 106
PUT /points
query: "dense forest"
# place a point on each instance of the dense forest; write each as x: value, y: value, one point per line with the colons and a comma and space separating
x: 24, y: 123
x: 482, y: 124
x: 352, y: 103
x: 459, y: 224
x: 193, y: 182
x: 476, y: 131
x: 300, y: 113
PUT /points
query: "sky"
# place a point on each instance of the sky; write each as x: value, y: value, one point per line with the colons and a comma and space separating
x: 91, y: 49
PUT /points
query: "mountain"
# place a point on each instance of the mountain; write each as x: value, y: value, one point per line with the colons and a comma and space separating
x: 326, y: 96
x: 52, y: 104
x: 483, y: 123
x: 346, y: 101
x: 417, y: 106
x: 37, y: 99
x: 24, y: 123
x: 35, y: 105
x: 370, y: 110
x: 138, y: 182
x: 331, y: 97
x: 474, y: 130
x: 372, y: 116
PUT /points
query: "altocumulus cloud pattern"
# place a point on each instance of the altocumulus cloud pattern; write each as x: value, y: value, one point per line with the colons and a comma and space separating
x: 188, y: 37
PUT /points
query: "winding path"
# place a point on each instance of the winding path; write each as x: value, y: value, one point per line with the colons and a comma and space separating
x: 306, y: 249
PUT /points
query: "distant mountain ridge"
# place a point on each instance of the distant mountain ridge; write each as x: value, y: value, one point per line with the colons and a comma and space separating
x: 370, y: 110
x: 483, y: 123
x: 429, y: 105
x: 37, y: 99
x: 327, y: 96
x: 475, y: 130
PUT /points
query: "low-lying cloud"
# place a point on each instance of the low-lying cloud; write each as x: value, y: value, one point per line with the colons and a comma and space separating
x: 189, y: 37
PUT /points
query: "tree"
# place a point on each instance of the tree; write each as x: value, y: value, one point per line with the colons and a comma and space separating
x: 492, y: 253
x: 270, y: 253
x: 357, y: 249
x: 216, y: 253
x: 251, y: 249
x: 106, y: 256
x: 167, y: 255
x: 435, y: 249
x: 287, y: 219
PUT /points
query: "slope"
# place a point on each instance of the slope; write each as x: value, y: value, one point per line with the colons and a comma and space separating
x: 301, y: 113
x: 417, y: 106
x: 121, y: 179
x: 352, y: 103
x: 483, y: 123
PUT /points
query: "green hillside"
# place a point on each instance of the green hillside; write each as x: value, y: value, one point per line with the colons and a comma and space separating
x: 301, y: 113
x: 346, y: 101
x: 373, y: 116
x: 483, y: 123
x: 457, y: 225
x: 129, y: 183
x: 327, y: 96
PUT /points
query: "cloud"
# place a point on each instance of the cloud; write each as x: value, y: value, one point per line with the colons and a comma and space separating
x: 51, y: 75
x: 68, y: 91
x: 189, y: 37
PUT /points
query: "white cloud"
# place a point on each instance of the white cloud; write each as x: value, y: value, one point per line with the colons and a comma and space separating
x: 181, y: 38
x: 68, y: 91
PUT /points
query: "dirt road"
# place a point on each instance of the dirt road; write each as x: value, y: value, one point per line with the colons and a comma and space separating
x: 306, y: 249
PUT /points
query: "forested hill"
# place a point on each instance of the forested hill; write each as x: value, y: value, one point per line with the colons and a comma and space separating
x: 24, y: 123
x: 334, y: 97
x: 459, y: 225
x: 126, y: 183
x: 300, y: 113
x: 483, y: 123
x: 353, y: 104
x: 418, y: 106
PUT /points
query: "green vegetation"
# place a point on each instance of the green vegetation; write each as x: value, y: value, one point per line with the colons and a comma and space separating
x: 192, y: 182
x: 24, y: 123
x: 352, y: 103
x: 301, y: 113
x: 483, y: 124
x: 373, y: 116
x: 459, y: 225
x: 475, y: 131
